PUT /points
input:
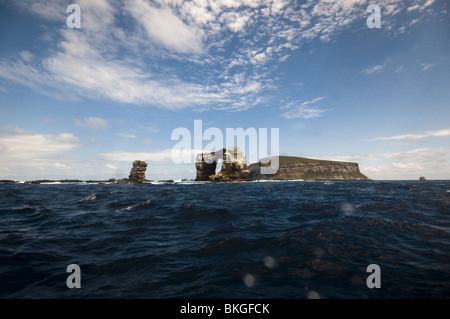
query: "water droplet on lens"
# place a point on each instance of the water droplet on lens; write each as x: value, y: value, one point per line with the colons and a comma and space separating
x: 249, y: 280
x: 313, y: 295
x: 347, y: 208
x: 319, y: 253
x: 269, y: 262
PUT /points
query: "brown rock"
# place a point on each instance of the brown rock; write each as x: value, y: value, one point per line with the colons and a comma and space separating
x: 137, y: 173
x: 234, y: 166
x: 291, y: 168
x: 206, y: 166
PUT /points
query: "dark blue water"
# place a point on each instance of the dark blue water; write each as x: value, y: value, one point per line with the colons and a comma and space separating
x: 226, y: 240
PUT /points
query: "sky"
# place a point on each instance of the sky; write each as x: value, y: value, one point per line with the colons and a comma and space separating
x: 85, y: 102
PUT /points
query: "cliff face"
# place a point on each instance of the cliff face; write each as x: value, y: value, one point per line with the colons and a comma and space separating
x: 308, y: 169
x: 137, y: 173
x: 205, y: 164
x: 234, y: 165
x: 235, y: 168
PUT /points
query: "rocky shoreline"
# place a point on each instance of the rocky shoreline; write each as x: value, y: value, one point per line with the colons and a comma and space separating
x: 77, y: 181
x: 235, y: 169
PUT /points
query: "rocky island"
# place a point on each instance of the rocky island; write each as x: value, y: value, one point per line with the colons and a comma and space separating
x: 235, y: 168
x: 300, y: 168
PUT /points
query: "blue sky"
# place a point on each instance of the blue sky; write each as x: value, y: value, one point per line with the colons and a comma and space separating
x: 84, y: 103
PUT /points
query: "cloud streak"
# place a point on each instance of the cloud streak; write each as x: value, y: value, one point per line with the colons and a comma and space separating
x: 126, y: 135
x: 374, y: 69
x: 415, y: 136
x: 124, y: 156
x: 427, y: 66
x: 304, y: 110
x: 95, y: 123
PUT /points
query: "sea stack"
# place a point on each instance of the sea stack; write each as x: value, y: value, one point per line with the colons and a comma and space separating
x: 234, y: 166
x: 137, y: 173
x: 205, y: 163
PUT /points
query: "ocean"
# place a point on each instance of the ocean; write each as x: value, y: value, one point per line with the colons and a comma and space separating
x: 290, y: 240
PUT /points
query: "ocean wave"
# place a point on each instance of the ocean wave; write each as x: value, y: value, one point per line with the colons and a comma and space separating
x: 90, y: 197
x: 226, y: 240
x: 141, y: 205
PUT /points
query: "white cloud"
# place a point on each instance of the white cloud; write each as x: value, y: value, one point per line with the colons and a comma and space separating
x: 165, y: 156
x: 31, y: 149
x: 95, y: 123
x: 122, y: 134
x: 28, y: 155
x: 197, y: 11
x: 374, y: 69
x: 252, y: 87
x: 49, y: 9
x: 399, y: 69
x: 408, y: 166
x: 259, y: 58
x: 107, y: 59
x: 61, y: 166
x: 235, y: 21
x: 124, y: 156
x: 349, y: 158
x: 86, y: 66
x: 83, y: 67
x: 431, y: 163
x: 303, y: 110
x: 412, y: 8
x: 277, y: 6
x: 415, y: 136
x: 419, y: 154
x: 97, y: 16
x: 149, y: 128
x: 427, y: 66
x: 26, y: 56
x: 401, y: 165
x: 313, y: 101
x: 414, y: 22
x: 23, y: 73
x: 165, y: 27
x: 428, y: 3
